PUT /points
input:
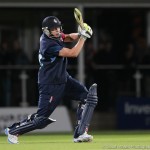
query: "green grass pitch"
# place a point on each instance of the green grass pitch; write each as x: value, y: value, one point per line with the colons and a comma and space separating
x: 138, y: 140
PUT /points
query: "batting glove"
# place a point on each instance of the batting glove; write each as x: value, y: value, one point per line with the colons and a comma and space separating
x: 86, y: 32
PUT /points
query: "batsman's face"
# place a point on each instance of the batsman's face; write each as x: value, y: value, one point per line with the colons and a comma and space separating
x: 55, y: 31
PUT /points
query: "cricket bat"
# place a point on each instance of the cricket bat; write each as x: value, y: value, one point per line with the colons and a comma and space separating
x: 78, y: 17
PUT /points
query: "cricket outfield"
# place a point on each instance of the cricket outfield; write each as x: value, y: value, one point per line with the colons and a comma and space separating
x: 102, y: 140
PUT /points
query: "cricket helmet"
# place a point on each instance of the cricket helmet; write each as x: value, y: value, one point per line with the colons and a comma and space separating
x: 51, y: 22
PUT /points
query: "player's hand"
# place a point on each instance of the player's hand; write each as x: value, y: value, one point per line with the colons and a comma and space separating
x: 88, y: 29
x: 86, y: 32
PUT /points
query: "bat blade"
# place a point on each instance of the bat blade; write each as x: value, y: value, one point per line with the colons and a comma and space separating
x: 78, y: 17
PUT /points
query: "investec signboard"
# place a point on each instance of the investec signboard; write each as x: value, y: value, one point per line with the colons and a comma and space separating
x: 133, y: 113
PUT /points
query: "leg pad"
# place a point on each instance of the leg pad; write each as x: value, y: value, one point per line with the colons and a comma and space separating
x: 90, y: 105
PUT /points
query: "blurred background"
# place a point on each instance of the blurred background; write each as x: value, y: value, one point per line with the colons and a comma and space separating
x: 117, y: 58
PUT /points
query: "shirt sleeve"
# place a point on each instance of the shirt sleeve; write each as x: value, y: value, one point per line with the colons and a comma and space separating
x: 53, y: 49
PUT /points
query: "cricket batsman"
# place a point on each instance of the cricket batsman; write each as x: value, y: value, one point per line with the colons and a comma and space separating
x: 55, y: 83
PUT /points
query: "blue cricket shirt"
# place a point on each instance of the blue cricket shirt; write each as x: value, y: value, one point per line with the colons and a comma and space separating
x: 52, y: 67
